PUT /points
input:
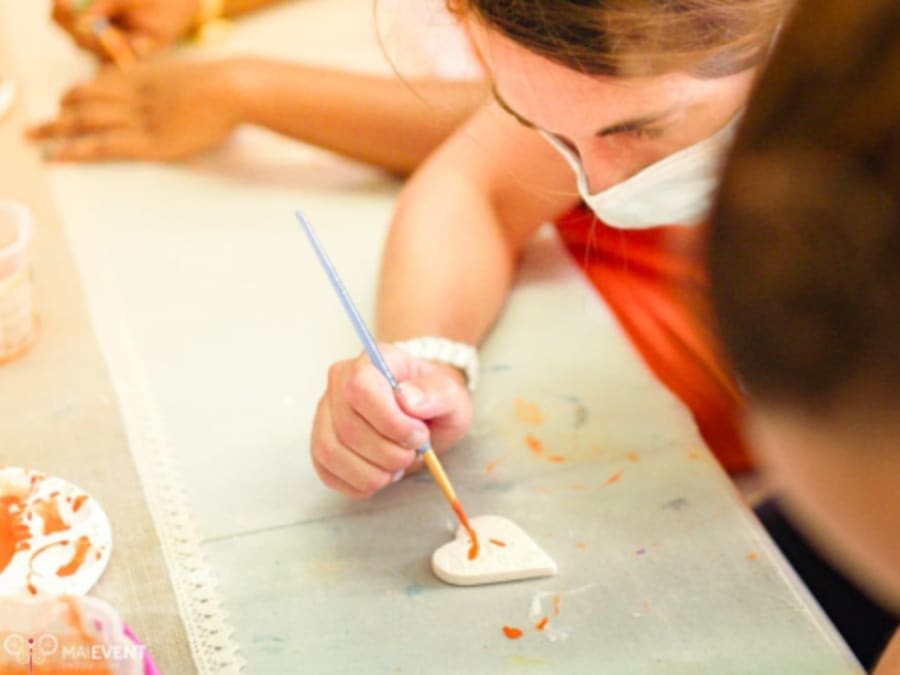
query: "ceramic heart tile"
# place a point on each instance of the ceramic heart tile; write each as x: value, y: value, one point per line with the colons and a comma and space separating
x: 506, y: 554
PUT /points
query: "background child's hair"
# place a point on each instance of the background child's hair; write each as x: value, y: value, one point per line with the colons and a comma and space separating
x: 804, y: 252
x: 708, y: 38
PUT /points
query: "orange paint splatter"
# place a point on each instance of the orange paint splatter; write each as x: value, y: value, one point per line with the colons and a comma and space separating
x: 615, y: 478
x: 473, y: 550
x: 82, y: 547
x: 78, y: 503
x: 753, y: 555
x: 49, y: 513
x: 542, y: 624
x: 512, y: 632
x: 534, y: 444
x: 492, y: 466
x: 528, y: 413
x: 633, y: 457
x: 556, y: 459
x: 13, y: 530
x: 557, y: 604
x: 580, y: 545
x: 497, y: 542
x: 32, y: 589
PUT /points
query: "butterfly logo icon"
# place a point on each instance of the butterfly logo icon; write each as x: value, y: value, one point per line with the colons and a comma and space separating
x: 30, y: 651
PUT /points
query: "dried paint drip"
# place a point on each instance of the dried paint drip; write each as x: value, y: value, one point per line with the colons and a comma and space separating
x: 512, y: 632
x: 53, y: 538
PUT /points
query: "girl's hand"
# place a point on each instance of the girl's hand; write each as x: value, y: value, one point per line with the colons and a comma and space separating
x: 147, y: 25
x: 154, y: 111
x: 365, y: 436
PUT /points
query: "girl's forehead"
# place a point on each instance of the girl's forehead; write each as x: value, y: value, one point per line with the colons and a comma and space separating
x: 558, y: 98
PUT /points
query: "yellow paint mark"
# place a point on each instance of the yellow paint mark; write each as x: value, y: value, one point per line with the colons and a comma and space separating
x: 528, y: 413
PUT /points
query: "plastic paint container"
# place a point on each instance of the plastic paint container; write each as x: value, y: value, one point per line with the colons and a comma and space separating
x: 17, y: 318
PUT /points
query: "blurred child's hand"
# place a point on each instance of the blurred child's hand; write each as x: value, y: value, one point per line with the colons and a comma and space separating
x: 147, y: 25
x: 154, y: 111
x: 365, y: 435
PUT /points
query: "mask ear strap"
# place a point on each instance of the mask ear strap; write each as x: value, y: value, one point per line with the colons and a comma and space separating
x: 571, y: 157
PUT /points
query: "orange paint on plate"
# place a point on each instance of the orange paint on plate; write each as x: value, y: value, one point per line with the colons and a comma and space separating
x: 49, y: 513
x: 78, y: 503
x: 615, y: 478
x: 512, y: 632
x: 13, y: 530
x: 542, y: 624
x: 82, y: 547
x: 497, y: 542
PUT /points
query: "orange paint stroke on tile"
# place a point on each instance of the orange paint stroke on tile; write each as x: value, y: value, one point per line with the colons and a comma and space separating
x: 512, y: 632
x: 492, y: 466
x: 615, y: 478
x: 556, y: 459
x: 534, y: 444
x: 753, y: 555
x: 633, y: 457
x: 557, y: 604
x: 580, y: 545
x: 528, y: 413
x: 542, y: 624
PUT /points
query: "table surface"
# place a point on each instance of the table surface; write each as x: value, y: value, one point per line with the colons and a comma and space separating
x: 216, y: 327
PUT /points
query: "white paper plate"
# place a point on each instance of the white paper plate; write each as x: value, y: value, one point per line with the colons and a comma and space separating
x: 54, y: 538
x: 7, y: 96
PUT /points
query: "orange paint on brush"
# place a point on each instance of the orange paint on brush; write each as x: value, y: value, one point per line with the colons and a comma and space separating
x: 78, y: 503
x: 557, y: 604
x: 497, y: 542
x: 534, y: 444
x: 542, y: 624
x: 82, y: 547
x: 512, y: 632
x: 473, y: 550
x: 615, y: 478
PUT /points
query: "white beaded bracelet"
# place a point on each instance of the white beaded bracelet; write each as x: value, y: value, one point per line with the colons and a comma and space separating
x: 457, y: 354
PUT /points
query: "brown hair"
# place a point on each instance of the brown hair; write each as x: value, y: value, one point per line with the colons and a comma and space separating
x: 708, y: 38
x: 804, y: 252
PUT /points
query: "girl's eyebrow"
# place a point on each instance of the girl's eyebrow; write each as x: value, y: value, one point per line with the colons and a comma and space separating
x: 625, y: 126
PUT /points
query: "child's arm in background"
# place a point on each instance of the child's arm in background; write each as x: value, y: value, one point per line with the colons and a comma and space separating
x: 171, y: 110
x: 889, y: 664
x: 147, y: 25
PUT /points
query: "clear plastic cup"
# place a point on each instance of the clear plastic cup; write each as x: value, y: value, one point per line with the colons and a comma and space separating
x: 17, y: 317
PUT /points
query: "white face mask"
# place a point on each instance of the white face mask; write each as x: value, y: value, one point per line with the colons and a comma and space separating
x: 677, y: 190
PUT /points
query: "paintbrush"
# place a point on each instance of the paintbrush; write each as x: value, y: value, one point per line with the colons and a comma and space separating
x: 425, y: 452
x: 113, y: 42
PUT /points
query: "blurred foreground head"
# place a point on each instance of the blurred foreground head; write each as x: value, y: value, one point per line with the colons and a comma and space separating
x: 804, y: 256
